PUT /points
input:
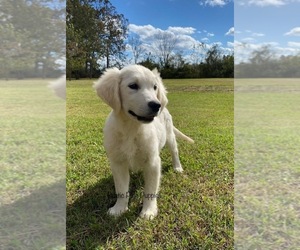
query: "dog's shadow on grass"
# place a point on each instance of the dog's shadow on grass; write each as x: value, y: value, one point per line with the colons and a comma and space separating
x: 89, y: 225
x: 35, y: 221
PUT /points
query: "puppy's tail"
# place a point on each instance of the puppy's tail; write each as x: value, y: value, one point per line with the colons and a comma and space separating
x: 182, y: 136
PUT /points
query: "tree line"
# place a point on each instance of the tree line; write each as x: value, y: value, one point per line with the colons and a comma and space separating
x: 32, y: 38
x: 92, y: 35
x: 97, y: 38
x: 37, y: 36
x: 214, y: 65
x: 264, y: 63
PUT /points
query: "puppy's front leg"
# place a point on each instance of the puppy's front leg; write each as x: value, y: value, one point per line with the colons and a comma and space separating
x: 152, y: 181
x: 121, y: 180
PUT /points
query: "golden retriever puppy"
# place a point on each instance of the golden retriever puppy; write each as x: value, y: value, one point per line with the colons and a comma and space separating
x: 136, y: 130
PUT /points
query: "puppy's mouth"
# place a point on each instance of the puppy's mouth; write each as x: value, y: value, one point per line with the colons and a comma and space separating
x: 145, y: 119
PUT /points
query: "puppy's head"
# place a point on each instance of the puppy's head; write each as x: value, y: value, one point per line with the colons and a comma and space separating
x: 134, y: 90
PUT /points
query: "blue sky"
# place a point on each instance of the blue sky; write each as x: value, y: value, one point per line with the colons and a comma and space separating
x: 192, y: 21
x: 242, y: 26
x: 267, y: 22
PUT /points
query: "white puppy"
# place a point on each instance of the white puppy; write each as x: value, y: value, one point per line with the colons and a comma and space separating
x: 136, y: 130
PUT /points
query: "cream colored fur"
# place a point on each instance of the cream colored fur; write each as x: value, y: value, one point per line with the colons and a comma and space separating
x: 136, y: 130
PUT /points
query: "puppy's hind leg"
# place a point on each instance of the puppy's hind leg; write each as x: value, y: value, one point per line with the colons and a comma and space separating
x: 172, y: 145
x: 121, y: 180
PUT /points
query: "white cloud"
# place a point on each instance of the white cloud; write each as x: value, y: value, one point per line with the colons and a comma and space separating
x: 230, y: 44
x: 186, y: 42
x: 214, y: 3
x: 248, y: 40
x: 294, y: 44
x: 182, y: 30
x: 243, y: 50
x: 253, y: 34
x: 148, y: 33
x: 208, y: 34
x: 293, y: 32
x: 205, y: 39
x: 184, y: 36
x: 144, y: 31
x: 247, y: 35
x: 258, y: 34
x: 218, y: 43
x: 230, y: 32
x: 264, y: 3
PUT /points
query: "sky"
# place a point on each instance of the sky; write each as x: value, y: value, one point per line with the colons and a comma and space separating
x: 242, y: 26
x: 191, y: 21
x: 275, y: 23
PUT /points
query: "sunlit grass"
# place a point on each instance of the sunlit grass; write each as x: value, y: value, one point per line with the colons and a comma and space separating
x: 32, y: 166
x: 267, y: 163
x: 195, y: 208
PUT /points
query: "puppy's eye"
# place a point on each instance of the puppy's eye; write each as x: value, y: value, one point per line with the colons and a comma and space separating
x: 133, y: 86
x: 155, y: 87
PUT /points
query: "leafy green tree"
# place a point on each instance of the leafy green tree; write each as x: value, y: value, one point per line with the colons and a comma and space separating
x: 95, y: 32
x: 32, y: 37
x: 227, y: 66
x: 114, y: 32
x: 264, y: 63
x: 213, y: 62
x: 82, y: 36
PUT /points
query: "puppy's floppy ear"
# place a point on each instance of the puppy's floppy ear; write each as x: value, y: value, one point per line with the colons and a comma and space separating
x: 107, y: 88
x: 161, y: 92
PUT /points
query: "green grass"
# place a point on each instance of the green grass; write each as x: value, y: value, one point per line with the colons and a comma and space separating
x: 267, y: 163
x: 32, y: 165
x: 195, y: 208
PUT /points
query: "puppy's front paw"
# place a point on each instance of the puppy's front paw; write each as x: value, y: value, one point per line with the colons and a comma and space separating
x: 148, y: 214
x: 178, y: 169
x: 117, y: 210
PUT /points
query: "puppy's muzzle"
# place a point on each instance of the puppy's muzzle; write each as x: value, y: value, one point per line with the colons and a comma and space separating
x: 154, y: 109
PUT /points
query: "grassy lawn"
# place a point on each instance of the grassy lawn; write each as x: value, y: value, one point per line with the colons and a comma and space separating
x: 267, y: 163
x: 32, y: 166
x: 195, y: 208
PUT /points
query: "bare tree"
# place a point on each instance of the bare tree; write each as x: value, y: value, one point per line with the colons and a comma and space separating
x: 198, y: 52
x: 136, y: 47
x: 164, y: 45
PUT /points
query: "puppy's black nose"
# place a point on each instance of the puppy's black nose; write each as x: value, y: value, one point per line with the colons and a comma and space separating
x: 155, y: 106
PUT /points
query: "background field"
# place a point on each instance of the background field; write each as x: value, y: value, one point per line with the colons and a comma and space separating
x: 195, y: 208
x: 267, y: 163
x: 32, y: 166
